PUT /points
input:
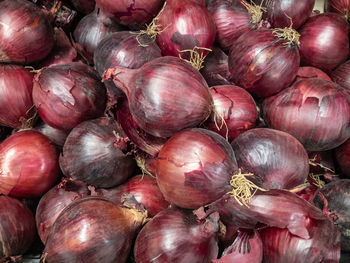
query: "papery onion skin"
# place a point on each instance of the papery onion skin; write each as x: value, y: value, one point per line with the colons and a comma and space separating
x: 96, y: 152
x: 53, y: 203
x: 16, y: 85
x: 342, y: 154
x: 175, y: 235
x: 29, y: 164
x: 84, y: 6
x: 338, y: 6
x: 17, y: 227
x: 194, y: 168
x: 306, y: 109
x: 236, y: 106
x: 276, y: 159
x: 263, y: 64
x: 25, y: 35
x: 341, y: 75
x: 68, y: 94
x: 58, y: 137
x: 311, y: 72
x: 92, y: 229
x: 165, y: 95
x: 324, y: 41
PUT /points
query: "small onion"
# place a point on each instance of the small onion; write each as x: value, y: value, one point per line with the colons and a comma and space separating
x: 311, y: 72
x: 341, y: 75
x: 84, y: 6
x: 58, y: 137
x: 338, y: 6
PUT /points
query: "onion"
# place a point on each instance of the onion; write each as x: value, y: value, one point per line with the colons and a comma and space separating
x: 236, y: 106
x: 90, y: 30
x: 337, y: 196
x: 341, y: 75
x: 84, y: 6
x: 25, y: 33
x: 165, y: 95
x: 321, y: 162
x: 68, y: 94
x: 338, y: 6
x: 263, y: 63
x: 306, y: 109
x: 17, y: 227
x: 92, y: 229
x: 311, y: 72
x: 16, y: 104
x: 145, y: 190
x: 176, y: 235
x: 131, y: 12
x: 54, y: 201
x: 58, y: 137
x: 96, y: 152
x: 275, y: 158
x: 29, y: 165
x: 342, y: 154
x: 324, y: 41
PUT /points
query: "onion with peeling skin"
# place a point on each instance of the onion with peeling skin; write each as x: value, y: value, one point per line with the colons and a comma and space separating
x: 311, y: 72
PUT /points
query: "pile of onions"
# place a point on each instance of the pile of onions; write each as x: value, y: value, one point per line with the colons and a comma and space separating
x: 176, y: 235
x: 93, y: 229
x: 97, y: 153
x: 311, y: 72
x: 165, y: 95
x: 342, y: 154
x: 28, y: 164
x: 338, y: 6
x: 306, y: 110
x: 58, y: 137
x: 67, y: 94
x: 16, y: 85
x: 263, y: 63
x: 324, y: 41
x: 84, y: 6
x: 341, y: 75
x: 17, y: 227
x: 25, y: 33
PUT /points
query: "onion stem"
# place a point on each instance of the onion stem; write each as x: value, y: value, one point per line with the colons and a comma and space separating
x: 141, y: 163
x: 256, y: 11
x: 196, y: 58
x: 316, y: 180
x: 217, y: 116
x: 313, y: 163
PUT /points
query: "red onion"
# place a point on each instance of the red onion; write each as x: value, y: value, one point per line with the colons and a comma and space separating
x: 90, y: 30
x: 321, y: 162
x: 58, y: 137
x: 16, y: 104
x: 275, y: 158
x: 97, y: 153
x: 324, y: 41
x: 29, y: 164
x: 25, y: 33
x: 165, y: 95
x: 342, y: 154
x: 17, y: 227
x: 68, y: 94
x: 306, y: 109
x: 84, y: 6
x: 176, y: 235
x: 311, y: 72
x: 263, y: 63
x: 236, y: 106
x: 338, y: 6
x: 93, y: 229
x: 337, y: 195
x: 341, y: 75
x: 54, y: 201
x: 131, y: 12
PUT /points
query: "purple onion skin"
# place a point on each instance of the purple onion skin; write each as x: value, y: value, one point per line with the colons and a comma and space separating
x: 337, y: 194
x: 90, y: 30
x: 54, y: 201
x: 262, y: 64
x: 341, y: 7
x: 341, y: 75
x: 324, y: 41
x: 311, y: 72
x: 17, y: 227
x: 96, y: 152
x: 342, y: 154
x: 306, y: 109
x: 277, y: 159
x: 84, y: 6
x: 68, y: 94
x: 58, y: 137
x: 175, y: 235
x: 94, y: 230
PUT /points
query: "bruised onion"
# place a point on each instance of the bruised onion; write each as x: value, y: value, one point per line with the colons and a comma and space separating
x: 311, y: 72
x: 28, y: 164
x: 17, y: 227
x: 68, y: 94
x: 25, y: 33
x: 338, y: 6
x: 84, y: 6
x: 306, y: 109
x: 176, y: 235
x: 165, y: 95
x: 341, y: 75
x: 58, y: 137
x: 342, y: 154
x: 97, y: 153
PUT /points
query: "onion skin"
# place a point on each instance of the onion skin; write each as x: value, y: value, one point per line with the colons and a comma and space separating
x: 68, y: 94
x: 305, y: 111
x: 84, y: 6
x: 29, y: 164
x: 92, y: 229
x: 341, y: 75
x: 17, y: 227
x: 194, y: 168
x: 321, y: 162
x: 263, y: 64
x: 319, y: 35
x: 58, y: 137
x: 311, y: 72
x: 341, y: 7
x: 96, y: 152
x: 183, y: 99
x: 175, y: 235
x: 16, y: 85
x: 25, y: 35
x: 237, y: 107
x: 342, y: 154
x: 277, y: 159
